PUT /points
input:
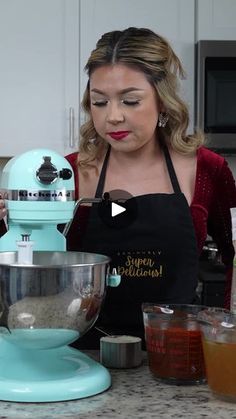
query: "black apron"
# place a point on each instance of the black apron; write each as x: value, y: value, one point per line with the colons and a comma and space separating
x: 156, y: 256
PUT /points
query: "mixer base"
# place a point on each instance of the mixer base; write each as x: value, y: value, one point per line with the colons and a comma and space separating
x: 49, y: 375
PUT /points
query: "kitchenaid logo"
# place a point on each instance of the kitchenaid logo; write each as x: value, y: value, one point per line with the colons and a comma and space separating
x: 42, y: 195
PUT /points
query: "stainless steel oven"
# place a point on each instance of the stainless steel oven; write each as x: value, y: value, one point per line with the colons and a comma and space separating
x: 216, y: 93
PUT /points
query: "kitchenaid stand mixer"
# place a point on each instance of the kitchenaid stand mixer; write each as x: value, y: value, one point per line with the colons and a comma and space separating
x: 50, y: 301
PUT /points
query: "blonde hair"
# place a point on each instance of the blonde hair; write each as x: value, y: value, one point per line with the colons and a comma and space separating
x: 141, y: 49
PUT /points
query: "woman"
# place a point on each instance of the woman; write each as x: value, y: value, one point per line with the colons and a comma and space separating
x: 135, y: 140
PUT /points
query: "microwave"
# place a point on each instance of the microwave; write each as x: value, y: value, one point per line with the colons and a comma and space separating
x: 215, y: 107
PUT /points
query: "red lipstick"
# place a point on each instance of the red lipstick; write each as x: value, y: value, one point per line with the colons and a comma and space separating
x: 118, y: 135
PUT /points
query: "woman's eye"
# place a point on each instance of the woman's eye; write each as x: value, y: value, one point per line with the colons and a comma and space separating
x: 99, y: 102
x: 130, y: 102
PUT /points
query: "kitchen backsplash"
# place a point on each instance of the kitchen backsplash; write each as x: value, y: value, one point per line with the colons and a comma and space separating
x: 232, y: 164
x: 3, y: 161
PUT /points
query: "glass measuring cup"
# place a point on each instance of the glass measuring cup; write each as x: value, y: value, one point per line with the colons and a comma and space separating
x: 219, y: 346
x: 173, y: 341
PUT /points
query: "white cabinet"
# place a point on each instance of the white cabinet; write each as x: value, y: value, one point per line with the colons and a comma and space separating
x: 173, y: 19
x: 44, y: 45
x: 39, y: 74
x: 216, y: 19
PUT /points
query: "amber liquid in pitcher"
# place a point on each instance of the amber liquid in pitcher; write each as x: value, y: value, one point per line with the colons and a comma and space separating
x: 221, y: 368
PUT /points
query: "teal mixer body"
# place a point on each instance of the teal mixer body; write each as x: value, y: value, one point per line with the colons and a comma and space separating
x: 38, y: 187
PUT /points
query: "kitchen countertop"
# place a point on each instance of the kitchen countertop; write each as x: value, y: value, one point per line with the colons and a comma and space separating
x: 134, y: 394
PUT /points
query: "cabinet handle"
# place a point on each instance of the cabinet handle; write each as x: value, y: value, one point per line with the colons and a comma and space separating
x: 71, y: 127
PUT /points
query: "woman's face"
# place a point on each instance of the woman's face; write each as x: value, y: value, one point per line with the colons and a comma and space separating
x: 124, y: 107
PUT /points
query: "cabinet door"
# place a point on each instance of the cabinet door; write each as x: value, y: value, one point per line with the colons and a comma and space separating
x: 39, y: 74
x: 216, y: 19
x: 173, y: 19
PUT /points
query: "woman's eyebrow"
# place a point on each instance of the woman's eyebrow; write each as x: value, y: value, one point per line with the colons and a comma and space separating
x: 123, y: 91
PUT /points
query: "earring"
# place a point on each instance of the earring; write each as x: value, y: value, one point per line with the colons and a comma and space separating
x: 163, y: 119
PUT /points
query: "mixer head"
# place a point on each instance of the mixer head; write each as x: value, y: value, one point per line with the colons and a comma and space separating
x: 38, y: 187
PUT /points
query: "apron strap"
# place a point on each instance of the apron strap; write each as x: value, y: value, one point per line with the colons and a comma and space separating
x: 101, y: 181
x: 171, y: 170
x: 170, y: 167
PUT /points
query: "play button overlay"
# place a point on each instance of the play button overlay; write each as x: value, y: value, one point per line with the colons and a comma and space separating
x: 118, y: 209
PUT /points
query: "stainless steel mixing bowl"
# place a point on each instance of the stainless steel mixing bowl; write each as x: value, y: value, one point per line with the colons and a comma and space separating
x: 53, y: 301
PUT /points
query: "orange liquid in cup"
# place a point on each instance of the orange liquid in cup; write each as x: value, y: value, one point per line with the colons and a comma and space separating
x: 221, y: 368
x: 175, y: 354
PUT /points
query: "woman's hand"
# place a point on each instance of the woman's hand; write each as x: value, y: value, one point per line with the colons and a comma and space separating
x: 3, y: 210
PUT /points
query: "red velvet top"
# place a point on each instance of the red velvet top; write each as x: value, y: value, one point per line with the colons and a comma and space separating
x: 214, y: 195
